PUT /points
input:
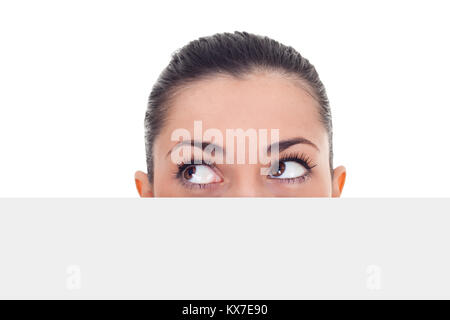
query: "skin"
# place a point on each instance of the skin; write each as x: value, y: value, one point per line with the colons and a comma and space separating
x: 261, y: 100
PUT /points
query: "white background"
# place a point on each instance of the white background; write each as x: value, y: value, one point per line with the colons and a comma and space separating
x: 75, y: 77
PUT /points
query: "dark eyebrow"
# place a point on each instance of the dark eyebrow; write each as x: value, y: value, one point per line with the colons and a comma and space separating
x: 284, y: 144
x: 195, y: 143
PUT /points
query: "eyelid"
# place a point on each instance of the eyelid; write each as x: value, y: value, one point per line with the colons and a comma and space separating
x: 184, y: 166
x: 301, y: 158
x: 300, y: 179
x: 198, y: 162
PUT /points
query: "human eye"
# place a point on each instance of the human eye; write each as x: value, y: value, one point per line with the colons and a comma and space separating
x: 292, y: 168
x: 198, y: 175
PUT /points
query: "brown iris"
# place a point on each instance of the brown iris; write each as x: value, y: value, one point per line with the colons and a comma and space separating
x: 189, y: 172
x: 280, y: 170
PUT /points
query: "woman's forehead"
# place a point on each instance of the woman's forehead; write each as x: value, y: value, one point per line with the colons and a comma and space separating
x: 259, y: 101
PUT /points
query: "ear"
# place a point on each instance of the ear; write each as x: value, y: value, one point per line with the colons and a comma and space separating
x: 339, y: 175
x: 143, y: 186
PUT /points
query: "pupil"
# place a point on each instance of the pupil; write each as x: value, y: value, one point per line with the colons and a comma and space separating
x: 189, y: 172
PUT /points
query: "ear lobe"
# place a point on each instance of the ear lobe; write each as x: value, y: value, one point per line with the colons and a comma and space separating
x: 138, y: 186
x: 143, y: 185
x: 341, y: 181
x: 339, y: 175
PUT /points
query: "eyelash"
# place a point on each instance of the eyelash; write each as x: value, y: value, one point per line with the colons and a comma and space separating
x: 183, y: 166
x: 301, y: 159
